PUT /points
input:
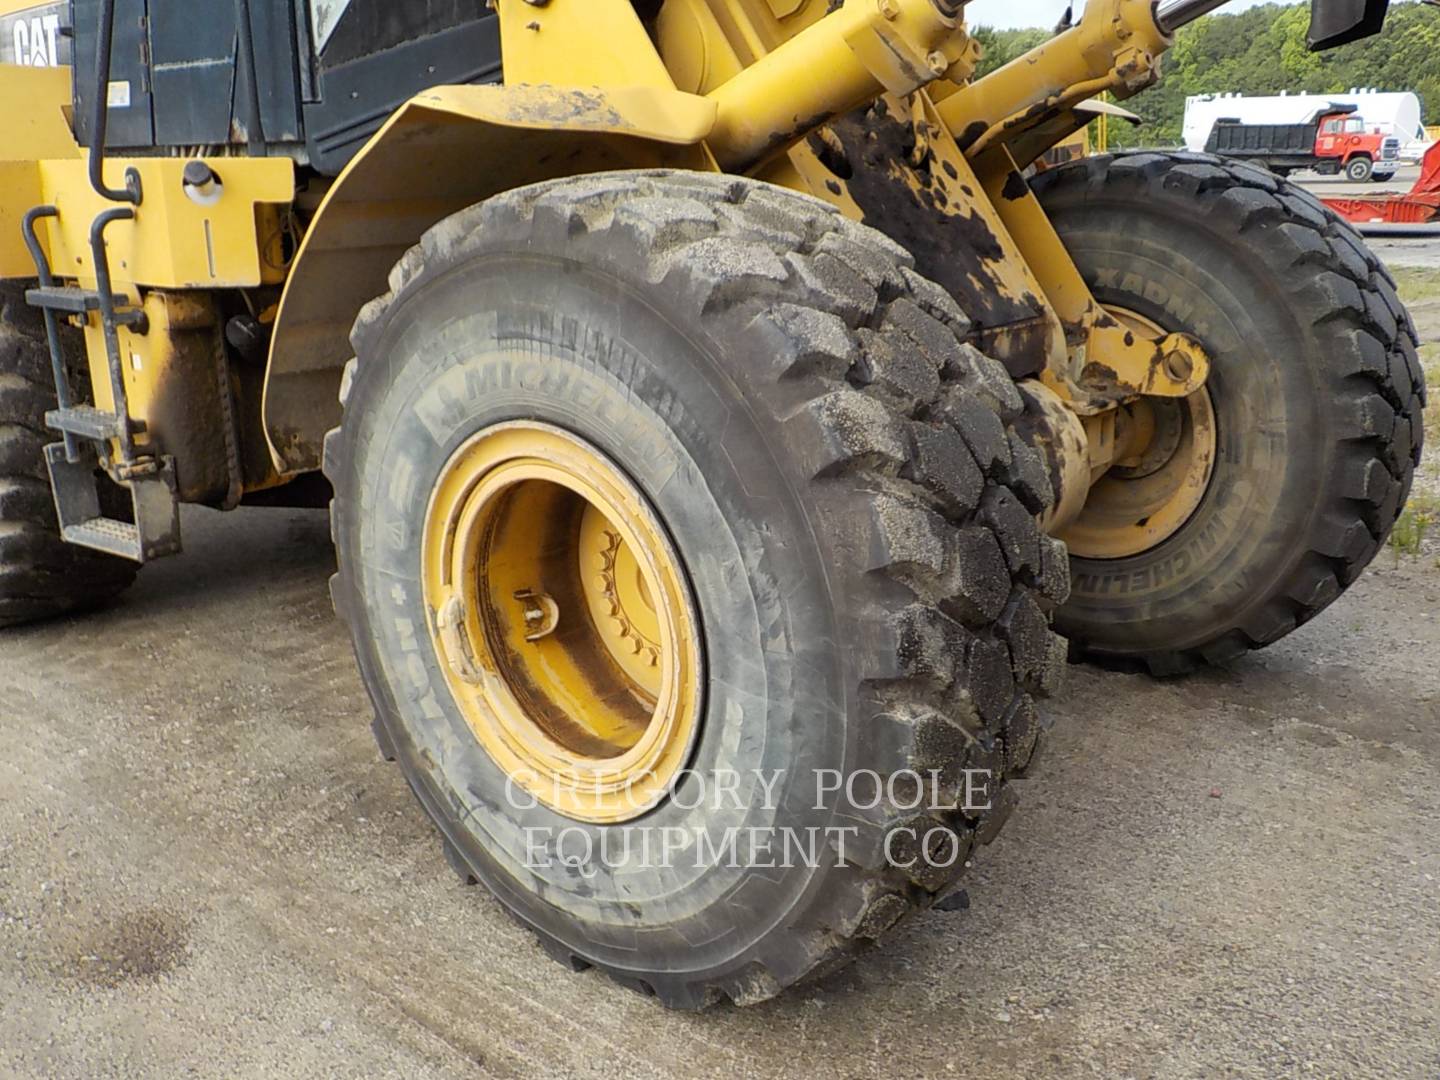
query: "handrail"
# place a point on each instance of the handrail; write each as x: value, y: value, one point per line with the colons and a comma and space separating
x: 52, y: 327
x: 107, y: 323
x: 100, y: 116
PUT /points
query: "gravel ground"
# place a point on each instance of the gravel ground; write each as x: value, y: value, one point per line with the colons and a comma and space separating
x: 1410, y: 253
x: 1337, y: 186
x: 205, y: 869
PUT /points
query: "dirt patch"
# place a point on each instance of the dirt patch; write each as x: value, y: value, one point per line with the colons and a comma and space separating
x: 135, y: 946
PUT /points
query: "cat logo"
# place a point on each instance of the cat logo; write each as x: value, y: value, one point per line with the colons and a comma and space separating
x: 33, y: 39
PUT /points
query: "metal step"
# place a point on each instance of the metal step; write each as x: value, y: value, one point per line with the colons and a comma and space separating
x: 156, y: 531
x: 64, y: 298
x: 77, y: 301
x: 86, y: 421
x: 108, y: 535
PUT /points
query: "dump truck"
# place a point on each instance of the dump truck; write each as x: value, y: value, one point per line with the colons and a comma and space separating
x: 1390, y: 112
x: 1333, y: 141
x: 721, y: 436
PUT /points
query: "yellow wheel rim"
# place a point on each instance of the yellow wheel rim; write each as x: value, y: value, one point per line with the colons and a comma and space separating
x: 565, y: 624
x: 1158, y: 478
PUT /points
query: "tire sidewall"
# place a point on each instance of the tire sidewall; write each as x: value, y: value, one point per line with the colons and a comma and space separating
x: 583, y: 351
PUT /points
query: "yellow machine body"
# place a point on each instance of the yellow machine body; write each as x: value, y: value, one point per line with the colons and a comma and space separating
x: 732, y: 85
x: 768, y: 88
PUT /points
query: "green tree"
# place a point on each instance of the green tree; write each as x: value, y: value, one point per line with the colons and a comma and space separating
x: 1002, y: 46
x: 1262, y: 51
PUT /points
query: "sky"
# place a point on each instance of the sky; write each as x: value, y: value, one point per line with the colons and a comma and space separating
x: 1009, y: 14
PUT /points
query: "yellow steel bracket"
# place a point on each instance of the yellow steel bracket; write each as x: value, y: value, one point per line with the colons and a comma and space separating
x: 1116, y: 47
x: 1106, y: 363
x: 1007, y: 119
x: 1118, y: 363
x: 899, y: 53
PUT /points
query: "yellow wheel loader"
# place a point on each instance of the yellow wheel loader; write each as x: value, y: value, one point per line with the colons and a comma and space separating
x: 715, y: 416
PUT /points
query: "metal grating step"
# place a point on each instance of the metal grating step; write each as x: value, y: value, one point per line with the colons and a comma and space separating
x: 106, y: 534
x: 64, y: 298
x: 86, y: 421
x: 78, y: 301
x: 156, y: 531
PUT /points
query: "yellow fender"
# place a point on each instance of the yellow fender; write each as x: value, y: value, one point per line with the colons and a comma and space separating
x: 444, y: 150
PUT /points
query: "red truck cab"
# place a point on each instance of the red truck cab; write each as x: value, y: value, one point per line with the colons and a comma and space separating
x: 1359, y: 151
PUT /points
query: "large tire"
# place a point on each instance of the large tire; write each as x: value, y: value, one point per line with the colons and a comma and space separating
x: 1315, y: 383
x: 837, y: 474
x: 40, y: 574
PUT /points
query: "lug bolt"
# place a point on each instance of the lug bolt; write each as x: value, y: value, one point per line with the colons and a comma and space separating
x: 541, y: 612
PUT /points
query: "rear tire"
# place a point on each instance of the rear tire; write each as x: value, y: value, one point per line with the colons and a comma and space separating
x: 1316, y: 386
x: 40, y: 575
x: 837, y: 476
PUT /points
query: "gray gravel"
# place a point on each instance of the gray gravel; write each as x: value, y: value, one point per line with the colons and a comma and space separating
x: 1409, y: 252
x: 205, y: 869
x: 1338, y: 187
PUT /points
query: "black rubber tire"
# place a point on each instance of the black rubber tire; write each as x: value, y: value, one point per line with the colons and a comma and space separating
x: 1316, y: 384
x: 837, y: 473
x: 1359, y: 170
x: 40, y: 575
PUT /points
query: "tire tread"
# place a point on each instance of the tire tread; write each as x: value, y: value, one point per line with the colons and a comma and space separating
x: 1372, y: 370
x: 862, y: 361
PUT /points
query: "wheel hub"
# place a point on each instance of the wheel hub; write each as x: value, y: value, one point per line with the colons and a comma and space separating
x: 564, y: 620
x: 619, y: 600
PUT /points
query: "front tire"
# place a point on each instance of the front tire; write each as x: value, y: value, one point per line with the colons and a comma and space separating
x: 836, y: 478
x: 1316, y: 388
x: 1359, y: 170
